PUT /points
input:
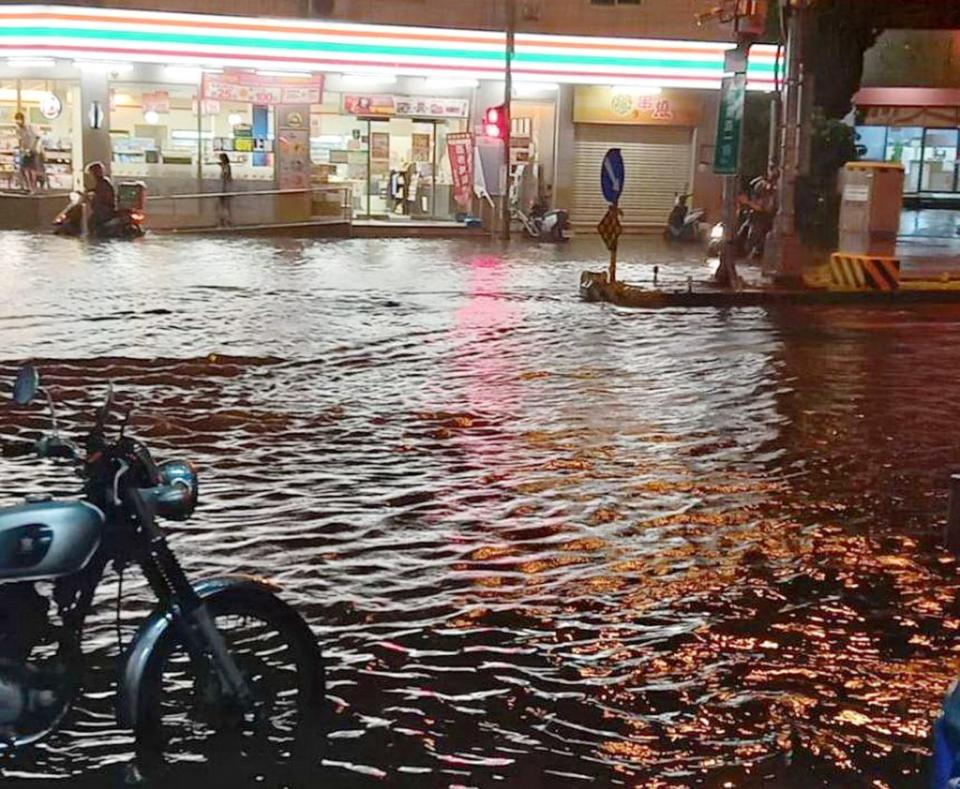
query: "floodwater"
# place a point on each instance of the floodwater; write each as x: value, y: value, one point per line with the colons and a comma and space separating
x: 542, y: 542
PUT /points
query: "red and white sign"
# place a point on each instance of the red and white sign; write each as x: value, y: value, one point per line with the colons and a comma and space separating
x: 159, y: 101
x: 405, y: 106
x: 369, y: 105
x: 245, y: 86
x: 460, y: 151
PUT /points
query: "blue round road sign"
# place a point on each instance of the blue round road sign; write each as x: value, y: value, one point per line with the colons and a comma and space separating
x: 611, y: 175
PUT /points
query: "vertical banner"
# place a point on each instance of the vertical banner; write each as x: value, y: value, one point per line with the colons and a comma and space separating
x: 460, y: 151
x: 293, y: 146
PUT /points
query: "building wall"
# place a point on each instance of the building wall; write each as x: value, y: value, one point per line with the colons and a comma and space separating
x: 649, y: 18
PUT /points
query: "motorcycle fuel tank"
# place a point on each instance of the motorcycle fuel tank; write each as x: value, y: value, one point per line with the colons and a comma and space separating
x: 47, y: 539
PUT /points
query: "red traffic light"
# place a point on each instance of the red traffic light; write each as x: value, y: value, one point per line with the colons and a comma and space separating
x: 495, y: 122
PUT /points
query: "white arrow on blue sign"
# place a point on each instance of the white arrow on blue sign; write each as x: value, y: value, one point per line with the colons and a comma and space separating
x: 611, y: 175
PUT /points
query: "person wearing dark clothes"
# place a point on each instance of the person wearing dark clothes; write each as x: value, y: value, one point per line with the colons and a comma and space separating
x: 226, y: 186
x: 103, y: 202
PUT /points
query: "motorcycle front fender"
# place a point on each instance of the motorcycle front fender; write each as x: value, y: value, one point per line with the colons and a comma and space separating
x: 151, y: 633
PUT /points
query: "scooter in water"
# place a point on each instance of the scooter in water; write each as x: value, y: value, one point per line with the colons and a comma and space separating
x: 126, y: 222
x: 543, y: 225
x: 222, y: 658
x: 683, y: 224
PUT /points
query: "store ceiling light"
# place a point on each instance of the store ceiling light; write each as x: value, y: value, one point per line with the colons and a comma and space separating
x: 368, y: 80
x: 521, y: 89
x: 31, y: 62
x: 300, y: 74
x: 151, y: 117
x: 234, y: 119
x: 439, y: 83
x: 182, y: 73
x: 101, y: 67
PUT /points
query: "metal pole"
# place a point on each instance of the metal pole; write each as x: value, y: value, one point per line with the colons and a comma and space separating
x: 952, y: 531
x: 199, y: 141
x: 773, y: 147
x: 511, y: 8
x: 785, y: 225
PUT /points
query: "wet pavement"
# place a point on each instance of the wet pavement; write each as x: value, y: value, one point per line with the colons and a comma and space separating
x: 542, y: 542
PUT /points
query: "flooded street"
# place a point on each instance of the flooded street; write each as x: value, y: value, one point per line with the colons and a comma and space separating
x: 542, y: 542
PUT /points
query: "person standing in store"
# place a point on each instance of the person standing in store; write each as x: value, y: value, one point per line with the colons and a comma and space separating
x: 226, y: 186
x: 27, y: 141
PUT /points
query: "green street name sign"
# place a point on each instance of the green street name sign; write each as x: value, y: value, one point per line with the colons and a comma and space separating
x: 730, y: 124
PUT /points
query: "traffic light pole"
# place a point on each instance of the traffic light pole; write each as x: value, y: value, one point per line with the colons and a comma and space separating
x: 511, y: 13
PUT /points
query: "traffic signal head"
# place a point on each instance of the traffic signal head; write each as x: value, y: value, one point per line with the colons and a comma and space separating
x: 495, y: 122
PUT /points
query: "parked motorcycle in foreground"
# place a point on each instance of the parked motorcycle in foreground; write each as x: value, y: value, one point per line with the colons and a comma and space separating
x: 224, y: 657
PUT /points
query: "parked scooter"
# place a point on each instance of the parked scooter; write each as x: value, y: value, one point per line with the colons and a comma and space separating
x: 544, y: 225
x: 127, y: 222
x: 528, y: 207
x: 223, y: 657
x: 683, y: 224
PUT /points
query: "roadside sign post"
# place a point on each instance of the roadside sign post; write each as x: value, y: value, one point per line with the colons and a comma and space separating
x: 728, y: 154
x: 611, y: 183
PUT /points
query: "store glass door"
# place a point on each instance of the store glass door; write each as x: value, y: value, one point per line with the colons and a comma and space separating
x: 905, y: 145
x: 939, y: 160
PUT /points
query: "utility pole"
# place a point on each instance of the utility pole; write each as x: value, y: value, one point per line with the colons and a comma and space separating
x: 511, y: 25
x: 785, y: 246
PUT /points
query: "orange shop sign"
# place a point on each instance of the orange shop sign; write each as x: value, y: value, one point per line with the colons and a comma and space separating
x: 603, y: 104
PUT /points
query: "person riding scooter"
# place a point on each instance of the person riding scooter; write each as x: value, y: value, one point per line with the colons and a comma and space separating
x: 103, y: 201
x: 683, y: 224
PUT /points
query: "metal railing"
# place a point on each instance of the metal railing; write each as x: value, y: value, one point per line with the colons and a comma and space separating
x: 328, y: 204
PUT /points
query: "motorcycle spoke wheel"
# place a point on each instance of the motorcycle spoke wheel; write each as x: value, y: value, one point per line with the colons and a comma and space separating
x: 187, y: 717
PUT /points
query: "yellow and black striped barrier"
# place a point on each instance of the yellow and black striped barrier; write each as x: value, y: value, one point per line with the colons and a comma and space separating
x: 863, y: 272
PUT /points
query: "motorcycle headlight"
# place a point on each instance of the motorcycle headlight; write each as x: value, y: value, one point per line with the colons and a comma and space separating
x: 183, y: 475
x: 716, y: 232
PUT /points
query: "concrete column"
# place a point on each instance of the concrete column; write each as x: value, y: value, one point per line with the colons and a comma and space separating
x: 95, y: 87
x: 563, y: 178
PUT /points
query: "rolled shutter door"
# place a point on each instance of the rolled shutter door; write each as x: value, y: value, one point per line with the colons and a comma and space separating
x: 657, y: 160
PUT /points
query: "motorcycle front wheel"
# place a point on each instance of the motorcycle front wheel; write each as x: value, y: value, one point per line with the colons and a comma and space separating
x: 185, y: 717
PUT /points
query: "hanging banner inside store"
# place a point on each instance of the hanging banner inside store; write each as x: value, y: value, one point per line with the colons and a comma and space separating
x: 246, y: 86
x: 460, y: 152
x: 405, y: 106
x: 293, y: 146
x: 603, y: 104
x: 412, y: 106
x: 158, y: 101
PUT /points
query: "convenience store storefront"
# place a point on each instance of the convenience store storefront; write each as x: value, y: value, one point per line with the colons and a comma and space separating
x: 916, y: 127
x: 133, y: 86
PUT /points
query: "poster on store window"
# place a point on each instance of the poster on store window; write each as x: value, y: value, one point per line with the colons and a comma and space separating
x: 460, y: 151
x: 420, y: 145
x: 293, y: 146
x: 245, y: 86
x: 379, y: 145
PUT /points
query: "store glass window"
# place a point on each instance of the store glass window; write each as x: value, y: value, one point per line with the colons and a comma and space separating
x: 51, y: 108
x: 905, y: 145
x: 156, y: 136
x: 939, y: 160
x: 871, y: 142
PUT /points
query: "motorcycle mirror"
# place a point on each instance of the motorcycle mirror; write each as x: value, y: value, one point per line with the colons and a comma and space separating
x: 27, y: 385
